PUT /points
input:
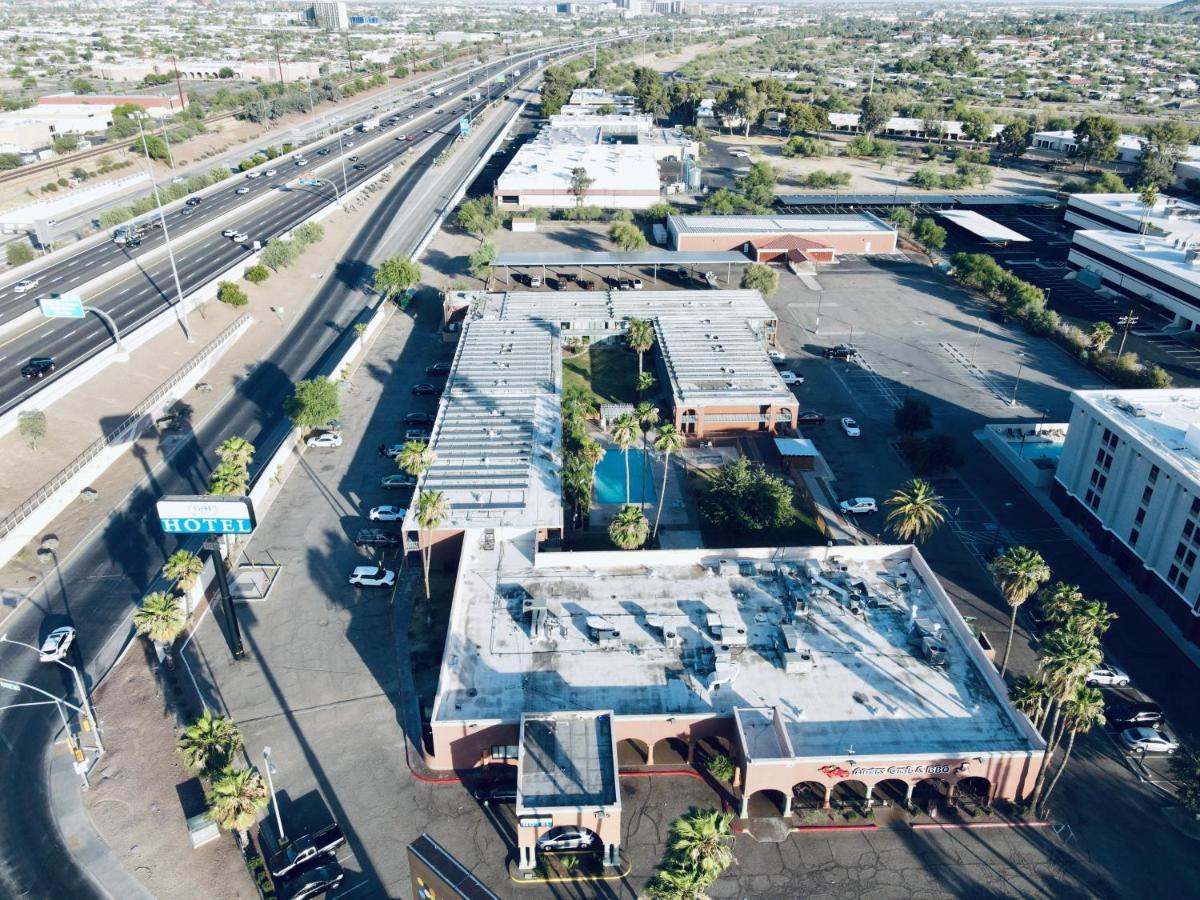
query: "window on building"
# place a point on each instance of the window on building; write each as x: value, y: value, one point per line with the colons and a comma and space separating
x: 1179, y: 551
x: 1172, y: 574
x: 1189, y: 528
x: 1153, y: 474
x: 1196, y: 507
x: 1190, y: 559
x: 1147, y: 493
x: 1133, y: 536
x: 1139, y: 517
x: 1181, y: 582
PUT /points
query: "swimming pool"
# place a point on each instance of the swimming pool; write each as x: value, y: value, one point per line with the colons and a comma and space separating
x: 610, y: 478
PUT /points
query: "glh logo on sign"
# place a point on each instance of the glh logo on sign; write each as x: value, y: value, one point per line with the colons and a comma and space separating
x: 206, y: 515
x: 61, y: 306
x: 464, y: 125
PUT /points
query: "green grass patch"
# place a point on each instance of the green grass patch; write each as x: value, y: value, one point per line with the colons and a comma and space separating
x: 803, y: 532
x: 609, y: 372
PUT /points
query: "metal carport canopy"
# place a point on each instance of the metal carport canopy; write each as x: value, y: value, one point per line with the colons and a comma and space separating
x: 982, y: 227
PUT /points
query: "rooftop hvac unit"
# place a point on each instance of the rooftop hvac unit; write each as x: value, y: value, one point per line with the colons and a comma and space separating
x: 790, y: 637
x: 933, y: 650
x: 602, y: 630
x: 713, y: 621
x: 533, y: 610
x: 732, y: 635
x: 798, y: 662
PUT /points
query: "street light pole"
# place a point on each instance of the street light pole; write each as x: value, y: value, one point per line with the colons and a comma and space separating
x: 88, y: 712
x: 77, y: 753
x: 817, y: 325
x: 180, y: 307
x: 271, y: 788
x: 1017, y: 383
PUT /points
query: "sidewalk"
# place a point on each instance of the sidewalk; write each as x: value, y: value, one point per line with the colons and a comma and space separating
x: 79, y: 419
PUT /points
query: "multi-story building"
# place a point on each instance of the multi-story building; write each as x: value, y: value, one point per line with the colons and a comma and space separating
x: 1130, y: 475
x: 1125, y: 212
x: 330, y: 16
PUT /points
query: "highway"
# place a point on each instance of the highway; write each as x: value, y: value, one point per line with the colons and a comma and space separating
x: 96, y: 585
x: 200, y: 251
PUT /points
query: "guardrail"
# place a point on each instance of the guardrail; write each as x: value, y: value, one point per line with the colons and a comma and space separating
x: 122, y: 432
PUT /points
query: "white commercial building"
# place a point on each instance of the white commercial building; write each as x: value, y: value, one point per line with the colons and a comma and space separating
x: 30, y: 130
x: 1129, y: 146
x: 1130, y: 475
x: 1163, y: 270
x: 907, y: 127
x: 330, y: 16
x: 621, y: 177
x: 211, y: 69
x: 1124, y: 212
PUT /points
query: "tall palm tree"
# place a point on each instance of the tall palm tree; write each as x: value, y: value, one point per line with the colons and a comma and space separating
x: 577, y: 402
x: 1147, y: 197
x: 1018, y: 572
x: 1067, y: 657
x: 639, y: 334
x: 1029, y: 696
x: 629, y: 528
x: 1082, y: 712
x: 1092, y: 617
x: 677, y: 884
x: 625, y: 432
x: 183, y: 567
x: 160, y: 617
x: 208, y: 744
x: 1060, y: 601
x: 432, y: 509
x: 667, y: 441
x: 917, y: 510
x: 236, y: 450
x: 229, y: 480
x: 1100, y: 334
x: 703, y: 842
x: 236, y: 799
x: 645, y: 382
x: 647, y: 415
x: 415, y: 457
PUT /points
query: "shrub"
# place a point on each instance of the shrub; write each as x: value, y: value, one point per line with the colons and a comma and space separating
x: 658, y: 212
x: 721, y: 767
x: 308, y: 233
x: 930, y: 234
x: 583, y: 214
x: 257, y: 273
x: 926, y: 178
x: 18, y: 252
x: 758, y: 277
x: 228, y: 292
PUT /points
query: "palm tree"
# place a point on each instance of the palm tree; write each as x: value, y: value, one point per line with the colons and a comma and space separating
x: 1100, y: 334
x: 645, y: 382
x: 917, y: 510
x: 432, y: 509
x: 1083, y: 711
x: 1147, y: 197
x: 208, y: 744
x: 647, y: 415
x: 229, y: 480
x: 237, y: 451
x: 703, y: 842
x: 183, y: 567
x: 1018, y: 572
x: 236, y: 799
x: 415, y: 457
x: 677, y: 884
x: 629, y: 528
x: 625, y: 432
x: 577, y: 402
x: 1067, y: 657
x: 667, y: 441
x: 160, y: 617
x: 639, y: 334
x: 1029, y: 696
x: 1092, y: 617
x: 1060, y: 602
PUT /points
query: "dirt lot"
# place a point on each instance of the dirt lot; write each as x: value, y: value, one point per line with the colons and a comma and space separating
x: 672, y: 61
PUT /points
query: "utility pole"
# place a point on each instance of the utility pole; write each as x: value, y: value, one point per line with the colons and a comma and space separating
x: 180, y: 306
x: 278, y: 61
x: 178, y: 84
x: 871, y: 86
x: 1126, y: 322
x: 271, y: 787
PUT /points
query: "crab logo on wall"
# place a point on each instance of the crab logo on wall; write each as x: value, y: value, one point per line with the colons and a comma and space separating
x: 834, y: 771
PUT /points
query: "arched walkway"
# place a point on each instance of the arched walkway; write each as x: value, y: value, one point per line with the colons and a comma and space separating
x: 974, y: 791
x: 710, y: 747
x: 670, y: 752
x: 808, y: 795
x: 891, y: 792
x: 930, y: 792
x: 766, y: 804
x: 632, y: 752
x: 851, y: 794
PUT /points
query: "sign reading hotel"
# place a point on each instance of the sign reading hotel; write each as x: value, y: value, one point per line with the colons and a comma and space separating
x: 206, y: 515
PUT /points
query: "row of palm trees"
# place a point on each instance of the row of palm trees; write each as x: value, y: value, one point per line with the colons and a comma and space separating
x: 231, y: 477
x: 236, y: 795
x: 433, y: 507
x: 629, y: 528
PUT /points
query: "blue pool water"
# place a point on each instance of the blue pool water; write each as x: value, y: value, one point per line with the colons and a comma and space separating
x: 1037, y: 449
x: 610, y: 478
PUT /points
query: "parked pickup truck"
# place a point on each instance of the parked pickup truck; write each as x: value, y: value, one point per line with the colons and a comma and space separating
x: 376, y: 537
x: 303, y: 849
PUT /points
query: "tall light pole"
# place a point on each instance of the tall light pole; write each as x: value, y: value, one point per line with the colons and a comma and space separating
x: 89, y: 723
x: 1017, y: 383
x: 77, y: 754
x: 180, y: 307
x: 1126, y: 322
x: 271, y: 788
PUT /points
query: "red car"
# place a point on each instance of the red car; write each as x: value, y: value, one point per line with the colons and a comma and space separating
x: 810, y: 418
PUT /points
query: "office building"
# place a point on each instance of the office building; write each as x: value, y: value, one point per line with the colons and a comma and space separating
x: 800, y: 239
x: 1063, y: 143
x: 1129, y: 474
x: 329, y: 16
x: 1124, y: 212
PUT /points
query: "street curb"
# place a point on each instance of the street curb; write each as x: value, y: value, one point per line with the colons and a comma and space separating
x: 926, y: 826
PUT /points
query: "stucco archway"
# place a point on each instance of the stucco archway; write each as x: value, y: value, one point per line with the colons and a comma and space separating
x: 974, y: 790
x: 766, y: 804
x: 891, y: 792
x: 930, y: 792
x: 848, y: 793
x: 632, y: 752
x: 808, y: 795
x: 670, y: 751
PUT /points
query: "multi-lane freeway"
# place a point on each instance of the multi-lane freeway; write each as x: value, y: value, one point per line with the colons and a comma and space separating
x: 96, y: 585
x: 201, y: 253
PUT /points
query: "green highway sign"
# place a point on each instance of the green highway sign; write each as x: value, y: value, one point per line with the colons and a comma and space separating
x: 61, y: 306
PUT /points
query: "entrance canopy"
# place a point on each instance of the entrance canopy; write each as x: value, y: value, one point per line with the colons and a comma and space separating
x: 982, y: 227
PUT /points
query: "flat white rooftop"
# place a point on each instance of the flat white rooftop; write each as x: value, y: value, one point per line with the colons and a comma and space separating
x: 1159, y: 418
x: 1169, y: 215
x: 694, y: 306
x: 981, y: 226
x: 721, y: 362
x: 834, y: 641
x: 1163, y: 254
x: 841, y: 223
x: 612, y: 167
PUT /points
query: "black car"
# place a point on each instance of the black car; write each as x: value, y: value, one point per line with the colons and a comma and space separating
x: 303, y: 849
x: 38, y: 367
x: 416, y: 419
x: 376, y: 537
x: 425, y: 389
x: 312, y: 881
x: 438, y: 370
x: 841, y: 351
x: 809, y: 417
x: 1123, y: 714
x: 358, y: 167
x: 133, y: 243
x: 496, y: 793
x: 194, y: 201
x: 324, y: 151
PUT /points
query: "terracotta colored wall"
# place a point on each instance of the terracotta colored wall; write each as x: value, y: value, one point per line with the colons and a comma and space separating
x: 705, y: 428
x: 880, y: 241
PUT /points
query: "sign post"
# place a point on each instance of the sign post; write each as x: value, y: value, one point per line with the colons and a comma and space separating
x: 212, y: 515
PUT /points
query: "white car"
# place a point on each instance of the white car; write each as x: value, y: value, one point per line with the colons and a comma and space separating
x: 776, y: 357
x: 534, y: 281
x: 347, y: 132
x: 1148, y: 740
x: 325, y: 439
x: 302, y: 162
x: 637, y: 284
x: 850, y: 427
x: 229, y: 232
x: 790, y: 377
x: 270, y: 173
x: 253, y: 174
x: 242, y: 190
x: 400, y: 137
x: 859, y: 505
x: 1106, y: 675
x: 57, y: 643
x: 566, y: 838
x: 386, y: 514
x: 240, y: 236
x: 27, y: 285
x: 372, y: 576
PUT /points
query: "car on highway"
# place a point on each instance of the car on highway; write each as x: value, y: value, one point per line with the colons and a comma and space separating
x: 242, y: 190
x: 810, y: 417
x: 859, y: 505
x: 254, y: 174
x: 354, y: 157
x: 304, y: 849
x: 399, y: 481
x: 1121, y: 714
x: 1106, y: 675
x: 302, y: 162
x: 358, y: 167
x: 790, y: 377
x: 429, y: 131
x: 418, y: 418
x: 386, y: 514
x: 776, y: 357
x: 401, y: 137
x: 409, y: 138
x: 240, y: 236
x: 348, y: 144
x: 25, y: 285
x: 841, y: 351
x: 133, y: 243
x: 194, y: 201
x: 229, y: 232
x: 376, y: 537
x: 56, y: 644
x: 270, y: 173
x: 372, y: 576
x: 1148, y: 740
x: 326, y: 439
x: 38, y: 367
x: 850, y: 427
x: 425, y: 389
x: 324, y: 151
x: 312, y: 881
x: 566, y: 837
x: 438, y: 370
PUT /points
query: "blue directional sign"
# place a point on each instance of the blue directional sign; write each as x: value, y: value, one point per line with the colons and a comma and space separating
x: 464, y: 125
x: 62, y: 306
x: 311, y: 182
x: 206, y: 515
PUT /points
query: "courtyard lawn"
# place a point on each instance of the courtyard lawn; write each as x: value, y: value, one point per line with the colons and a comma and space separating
x: 609, y: 372
x: 803, y: 531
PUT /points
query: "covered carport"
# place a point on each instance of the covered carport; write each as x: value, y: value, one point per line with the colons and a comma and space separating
x: 982, y: 228
x: 560, y: 262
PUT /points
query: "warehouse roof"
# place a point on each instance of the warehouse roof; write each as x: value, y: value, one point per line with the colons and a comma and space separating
x: 718, y: 362
x: 612, y: 167
x: 852, y: 222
